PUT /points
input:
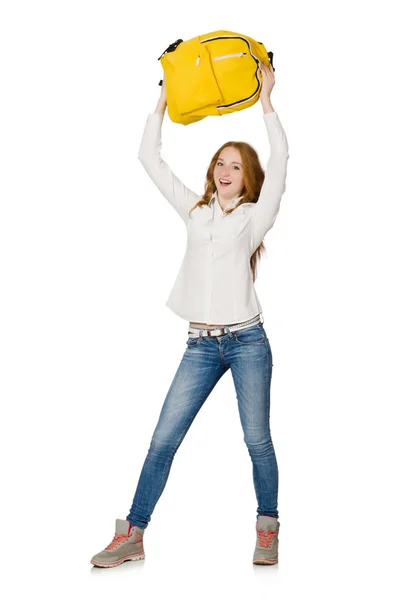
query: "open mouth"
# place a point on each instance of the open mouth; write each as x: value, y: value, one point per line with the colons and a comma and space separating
x: 224, y: 182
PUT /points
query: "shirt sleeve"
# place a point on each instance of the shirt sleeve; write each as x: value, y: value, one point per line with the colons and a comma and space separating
x: 268, y: 204
x: 179, y: 196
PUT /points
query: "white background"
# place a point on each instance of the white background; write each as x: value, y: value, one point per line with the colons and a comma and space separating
x: 89, y: 252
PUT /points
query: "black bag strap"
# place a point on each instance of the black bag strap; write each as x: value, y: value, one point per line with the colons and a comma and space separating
x: 171, y: 47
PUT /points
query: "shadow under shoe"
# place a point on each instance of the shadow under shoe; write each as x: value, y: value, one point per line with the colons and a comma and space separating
x: 127, y: 544
x: 266, y: 548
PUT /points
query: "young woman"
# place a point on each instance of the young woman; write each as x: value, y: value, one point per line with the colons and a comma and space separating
x: 215, y: 292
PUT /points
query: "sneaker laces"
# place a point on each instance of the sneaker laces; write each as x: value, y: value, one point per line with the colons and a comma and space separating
x: 119, y: 538
x: 265, y: 538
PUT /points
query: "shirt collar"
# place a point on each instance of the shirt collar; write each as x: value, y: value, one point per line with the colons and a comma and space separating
x: 231, y: 204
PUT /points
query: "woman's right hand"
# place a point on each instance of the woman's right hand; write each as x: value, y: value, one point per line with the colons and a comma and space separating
x: 268, y: 80
x: 162, y: 101
x: 163, y: 93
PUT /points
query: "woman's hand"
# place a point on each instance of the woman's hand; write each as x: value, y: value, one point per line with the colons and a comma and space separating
x: 163, y: 93
x: 162, y: 101
x: 268, y: 80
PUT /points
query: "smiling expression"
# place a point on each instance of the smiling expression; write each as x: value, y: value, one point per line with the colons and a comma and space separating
x: 229, y: 168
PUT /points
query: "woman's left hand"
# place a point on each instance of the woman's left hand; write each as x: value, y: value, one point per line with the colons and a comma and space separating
x: 268, y: 80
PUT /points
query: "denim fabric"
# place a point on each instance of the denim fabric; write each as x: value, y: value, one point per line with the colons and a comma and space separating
x: 247, y: 353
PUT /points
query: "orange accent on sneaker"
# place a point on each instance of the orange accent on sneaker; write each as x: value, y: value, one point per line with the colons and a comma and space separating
x: 265, y: 538
x: 119, y: 538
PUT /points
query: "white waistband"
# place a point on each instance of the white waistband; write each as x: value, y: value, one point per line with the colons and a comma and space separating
x: 195, y: 331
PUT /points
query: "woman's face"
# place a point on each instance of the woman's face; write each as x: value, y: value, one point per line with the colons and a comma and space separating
x: 229, y: 168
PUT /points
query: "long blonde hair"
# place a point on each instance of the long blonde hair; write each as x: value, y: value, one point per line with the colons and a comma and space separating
x: 254, y: 177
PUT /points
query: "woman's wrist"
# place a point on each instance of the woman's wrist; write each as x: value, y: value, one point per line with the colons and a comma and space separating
x: 161, y: 106
x: 266, y: 104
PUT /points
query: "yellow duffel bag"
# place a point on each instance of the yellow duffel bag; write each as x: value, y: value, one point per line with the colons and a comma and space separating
x: 212, y: 74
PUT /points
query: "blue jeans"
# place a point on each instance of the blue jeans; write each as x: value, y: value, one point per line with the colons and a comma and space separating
x: 247, y: 353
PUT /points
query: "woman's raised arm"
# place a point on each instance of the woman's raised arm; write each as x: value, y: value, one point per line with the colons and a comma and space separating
x: 172, y: 188
x: 274, y: 185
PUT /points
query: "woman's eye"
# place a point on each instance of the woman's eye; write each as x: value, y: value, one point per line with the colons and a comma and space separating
x: 219, y: 163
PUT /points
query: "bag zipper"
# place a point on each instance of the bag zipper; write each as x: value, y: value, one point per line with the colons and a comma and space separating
x: 229, y: 56
x: 222, y: 57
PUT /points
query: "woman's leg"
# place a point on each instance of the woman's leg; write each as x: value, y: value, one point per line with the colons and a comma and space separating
x: 198, y: 372
x: 250, y: 358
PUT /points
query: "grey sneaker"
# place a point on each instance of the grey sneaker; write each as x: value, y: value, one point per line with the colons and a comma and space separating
x: 266, y: 549
x: 127, y: 544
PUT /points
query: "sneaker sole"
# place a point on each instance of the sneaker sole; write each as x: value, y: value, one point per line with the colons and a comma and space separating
x: 265, y: 561
x: 118, y: 562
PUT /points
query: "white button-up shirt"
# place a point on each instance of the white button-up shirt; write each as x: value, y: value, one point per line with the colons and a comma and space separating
x: 215, y: 282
